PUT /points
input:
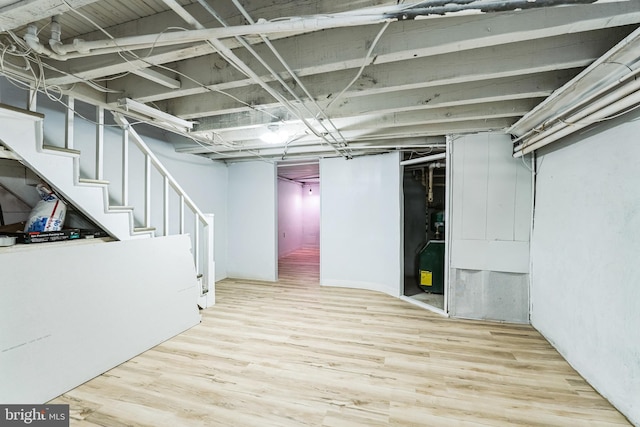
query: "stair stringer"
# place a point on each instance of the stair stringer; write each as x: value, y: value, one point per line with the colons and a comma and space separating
x: 23, y: 132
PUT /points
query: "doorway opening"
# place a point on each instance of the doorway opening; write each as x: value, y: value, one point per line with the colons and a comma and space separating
x: 425, y: 198
x: 299, y: 222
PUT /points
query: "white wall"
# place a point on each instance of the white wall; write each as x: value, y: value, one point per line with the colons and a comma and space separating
x: 490, y: 226
x: 360, y: 241
x: 311, y: 215
x: 252, y: 221
x: 289, y: 217
x: 87, y: 307
x: 585, y: 295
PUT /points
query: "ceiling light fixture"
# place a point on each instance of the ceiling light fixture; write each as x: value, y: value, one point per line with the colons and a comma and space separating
x: 157, y: 116
x: 274, y: 134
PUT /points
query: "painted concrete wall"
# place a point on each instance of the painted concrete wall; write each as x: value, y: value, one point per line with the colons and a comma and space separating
x: 290, y: 214
x: 585, y: 293
x: 252, y: 221
x: 311, y: 215
x: 67, y: 315
x: 360, y: 239
x: 490, y: 223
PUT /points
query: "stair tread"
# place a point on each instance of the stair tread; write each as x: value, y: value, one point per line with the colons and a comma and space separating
x: 61, y: 149
x: 143, y: 229
x: 120, y: 208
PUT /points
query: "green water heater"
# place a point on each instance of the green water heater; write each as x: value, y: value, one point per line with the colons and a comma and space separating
x: 431, y: 267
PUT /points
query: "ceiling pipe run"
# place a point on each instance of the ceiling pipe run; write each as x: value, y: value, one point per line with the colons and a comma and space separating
x: 568, y: 110
x: 425, y: 159
x: 80, y: 48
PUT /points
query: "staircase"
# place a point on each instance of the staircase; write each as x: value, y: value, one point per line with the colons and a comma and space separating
x: 22, y: 132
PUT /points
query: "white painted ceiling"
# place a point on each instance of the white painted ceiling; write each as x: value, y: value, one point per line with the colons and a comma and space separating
x: 342, y: 78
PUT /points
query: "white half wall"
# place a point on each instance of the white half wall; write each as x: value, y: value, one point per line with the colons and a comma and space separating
x: 585, y: 293
x: 72, y: 310
x: 360, y: 223
x: 252, y: 221
x: 290, y: 213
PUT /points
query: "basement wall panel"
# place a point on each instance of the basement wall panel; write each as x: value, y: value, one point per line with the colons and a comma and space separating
x: 252, y: 245
x: 491, y: 206
x: 585, y: 290
x: 361, y: 225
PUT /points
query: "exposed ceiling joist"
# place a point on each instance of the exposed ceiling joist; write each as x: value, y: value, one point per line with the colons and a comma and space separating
x: 362, y: 90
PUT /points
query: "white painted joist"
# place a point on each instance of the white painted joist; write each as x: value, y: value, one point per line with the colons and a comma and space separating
x: 555, y: 53
x: 373, y: 122
x: 311, y: 145
x: 345, y: 48
x: 474, y: 92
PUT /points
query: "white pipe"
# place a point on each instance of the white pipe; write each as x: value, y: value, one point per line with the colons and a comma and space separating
x: 81, y: 48
x: 607, y: 58
x: 56, y: 34
x: 615, y: 102
x: 31, y: 38
x: 555, y: 120
x: 432, y: 166
x: 593, y: 114
x: 425, y: 159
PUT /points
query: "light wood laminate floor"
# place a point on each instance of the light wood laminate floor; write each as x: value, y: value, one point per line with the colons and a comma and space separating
x: 293, y: 353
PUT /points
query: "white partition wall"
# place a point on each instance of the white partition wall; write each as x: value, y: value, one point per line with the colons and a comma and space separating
x: 490, y: 226
x: 252, y: 221
x: 585, y: 294
x: 360, y: 223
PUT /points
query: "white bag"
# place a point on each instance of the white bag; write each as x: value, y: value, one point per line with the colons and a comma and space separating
x: 48, y: 214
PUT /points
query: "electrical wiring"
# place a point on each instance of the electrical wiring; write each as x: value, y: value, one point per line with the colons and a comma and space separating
x: 144, y: 60
x: 340, y: 144
x: 365, y: 62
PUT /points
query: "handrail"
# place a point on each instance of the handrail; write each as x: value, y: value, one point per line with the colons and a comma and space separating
x: 200, y: 218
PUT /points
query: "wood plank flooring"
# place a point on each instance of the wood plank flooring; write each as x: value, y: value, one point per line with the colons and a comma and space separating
x: 293, y: 353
